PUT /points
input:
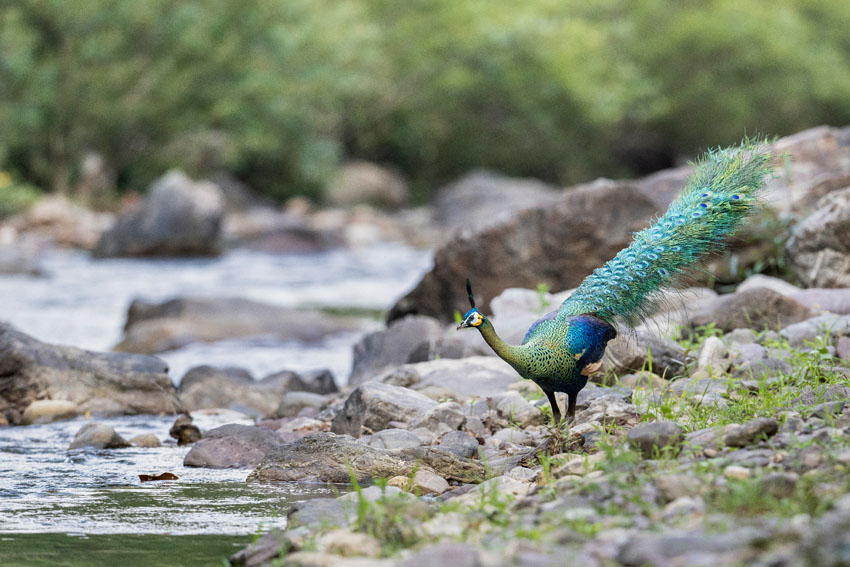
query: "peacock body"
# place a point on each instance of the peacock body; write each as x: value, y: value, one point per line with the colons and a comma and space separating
x: 563, y: 347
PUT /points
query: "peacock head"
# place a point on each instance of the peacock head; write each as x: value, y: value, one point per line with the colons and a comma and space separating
x: 472, y: 318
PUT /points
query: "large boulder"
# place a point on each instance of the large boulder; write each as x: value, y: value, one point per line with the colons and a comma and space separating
x: 819, y: 248
x: 59, y: 220
x: 327, y: 457
x: 99, y: 383
x: 557, y: 245
x: 819, y: 163
x: 362, y: 182
x: 232, y: 446
x: 374, y: 405
x: 207, y: 387
x: 98, y: 436
x: 158, y: 327
x: 756, y: 308
x: 179, y: 217
x: 483, y: 197
x: 388, y: 348
x: 473, y: 377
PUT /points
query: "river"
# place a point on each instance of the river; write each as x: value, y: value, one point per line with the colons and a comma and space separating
x: 89, y: 507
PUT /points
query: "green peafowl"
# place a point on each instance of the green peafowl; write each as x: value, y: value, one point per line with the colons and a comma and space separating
x: 562, y: 348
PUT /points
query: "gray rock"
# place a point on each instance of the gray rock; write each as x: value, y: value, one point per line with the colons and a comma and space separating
x: 394, y: 439
x: 515, y: 436
x: 675, y: 486
x: 331, y: 458
x: 207, y: 387
x: 818, y: 299
x: 750, y: 432
x: 179, y: 217
x: 383, y: 350
x: 184, y: 430
x: 559, y: 244
x: 158, y: 327
x: 482, y: 198
x: 819, y: 247
x: 262, y: 552
x: 98, y: 436
x: 45, y: 411
x: 780, y: 286
x: 811, y: 396
x: 683, y: 548
x: 447, y: 416
x: 460, y: 443
x: 448, y: 553
x: 827, y: 542
x: 478, y: 376
x: 630, y: 352
x: 832, y: 325
x: 362, y: 182
x: 232, y: 446
x: 374, y: 405
x: 779, y: 484
x: 756, y: 308
x: 740, y: 337
x: 655, y: 438
x: 146, y: 440
x: 99, y: 383
x: 318, y: 512
x: 293, y: 402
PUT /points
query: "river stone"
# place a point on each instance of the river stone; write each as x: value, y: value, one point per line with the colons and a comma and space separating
x: 100, y: 383
x: 446, y: 553
x: 778, y: 285
x: 558, y: 244
x: 374, y: 405
x: 460, y: 443
x: 750, y: 432
x: 262, y: 552
x: 179, y: 217
x: 208, y: 387
x: 631, y: 352
x: 819, y: 247
x: 232, y: 446
x: 184, y: 430
x: 394, y: 439
x: 473, y: 377
x: 98, y: 436
x: 175, y: 323
x: 362, y: 182
x: 317, y: 512
x: 833, y: 325
x: 427, y: 482
x: 45, y: 411
x: 347, y: 543
x: 293, y: 402
x: 444, y: 417
x: 145, y: 440
x: 832, y: 300
x: 755, y: 308
x: 653, y: 438
x: 383, y: 350
x: 484, y: 197
x: 327, y: 457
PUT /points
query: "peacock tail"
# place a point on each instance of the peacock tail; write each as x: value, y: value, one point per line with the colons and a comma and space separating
x: 720, y: 194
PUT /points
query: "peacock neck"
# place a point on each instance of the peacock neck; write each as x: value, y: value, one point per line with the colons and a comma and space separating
x: 512, y: 354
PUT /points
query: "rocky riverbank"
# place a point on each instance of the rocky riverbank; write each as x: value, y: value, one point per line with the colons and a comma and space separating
x: 740, y: 459
x: 713, y: 434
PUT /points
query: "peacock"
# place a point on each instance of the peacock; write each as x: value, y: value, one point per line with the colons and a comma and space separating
x: 562, y: 348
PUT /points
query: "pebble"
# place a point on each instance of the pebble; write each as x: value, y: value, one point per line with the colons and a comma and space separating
x: 737, y: 472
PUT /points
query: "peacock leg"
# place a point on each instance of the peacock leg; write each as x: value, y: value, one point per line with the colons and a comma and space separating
x: 556, y: 413
x: 571, y: 407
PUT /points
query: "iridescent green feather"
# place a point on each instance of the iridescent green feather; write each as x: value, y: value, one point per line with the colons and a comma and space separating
x: 720, y: 194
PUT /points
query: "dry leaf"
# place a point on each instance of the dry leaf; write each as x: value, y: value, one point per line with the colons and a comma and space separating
x: 163, y: 476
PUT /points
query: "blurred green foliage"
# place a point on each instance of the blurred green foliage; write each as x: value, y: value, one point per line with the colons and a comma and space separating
x: 278, y: 92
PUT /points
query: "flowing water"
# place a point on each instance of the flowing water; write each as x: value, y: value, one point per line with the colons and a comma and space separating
x: 89, y: 507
